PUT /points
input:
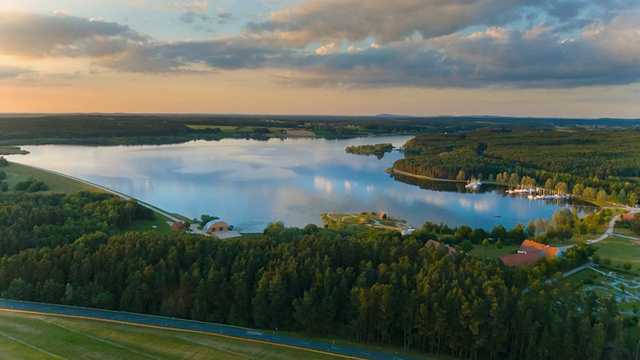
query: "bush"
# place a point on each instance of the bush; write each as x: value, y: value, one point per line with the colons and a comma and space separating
x: 31, y: 186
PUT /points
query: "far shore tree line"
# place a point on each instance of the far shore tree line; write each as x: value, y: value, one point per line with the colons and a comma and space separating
x: 596, y: 166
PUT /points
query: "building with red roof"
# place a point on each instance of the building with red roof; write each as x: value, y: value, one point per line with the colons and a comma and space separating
x: 529, y: 252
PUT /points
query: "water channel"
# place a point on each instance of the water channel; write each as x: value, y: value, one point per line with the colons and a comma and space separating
x: 250, y: 183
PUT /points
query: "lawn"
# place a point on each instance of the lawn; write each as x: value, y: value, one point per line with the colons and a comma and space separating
x: 29, y: 336
x: 620, y: 250
x: 335, y: 220
x: 57, y: 184
x: 158, y: 224
x: 492, y: 251
x: 45, y: 336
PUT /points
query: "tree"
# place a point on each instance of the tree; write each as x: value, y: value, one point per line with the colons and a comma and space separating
x: 589, y: 193
x: 311, y: 229
x: 517, y: 234
x: 577, y: 189
x: 562, y: 187
x: 204, y: 219
x: 531, y: 229
x: 466, y: 246
x: 514, y: 179
x: 499, y: 232
x: 464, y: 231
x: 602, y: 196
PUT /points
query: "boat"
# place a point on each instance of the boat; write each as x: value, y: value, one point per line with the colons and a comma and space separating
x: 473, y: 184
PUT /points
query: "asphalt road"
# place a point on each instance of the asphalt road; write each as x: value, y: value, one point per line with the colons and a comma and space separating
x: 214, y: 329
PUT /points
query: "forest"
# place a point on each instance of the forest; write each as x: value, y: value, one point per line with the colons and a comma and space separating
x: 368, y: 285
x: 136, y: 129
x: 378, y: 149
x: 601, y: 166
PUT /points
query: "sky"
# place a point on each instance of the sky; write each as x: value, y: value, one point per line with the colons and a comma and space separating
x: 547, y: 58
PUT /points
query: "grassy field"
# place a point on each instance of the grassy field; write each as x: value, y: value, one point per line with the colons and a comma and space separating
x: 619, y: 250
x: 492, y: 251
x: 59, y: 184
x: 338, y: 219
x: 45, y: 336
x: 30, y: 336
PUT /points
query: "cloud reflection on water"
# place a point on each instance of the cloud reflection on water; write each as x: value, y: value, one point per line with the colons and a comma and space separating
x: 252, y: 183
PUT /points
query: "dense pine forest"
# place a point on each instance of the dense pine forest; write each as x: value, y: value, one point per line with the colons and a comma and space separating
x: 601, y: 165
x: 368, y: 285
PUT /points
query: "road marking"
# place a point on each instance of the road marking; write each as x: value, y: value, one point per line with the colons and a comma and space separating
x: 31, y: 346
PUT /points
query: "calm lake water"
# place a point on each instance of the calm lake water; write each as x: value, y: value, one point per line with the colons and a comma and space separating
x: 251, y: 183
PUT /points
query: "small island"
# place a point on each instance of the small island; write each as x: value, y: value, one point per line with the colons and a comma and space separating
x: 378, y: 149
x: 336, y: 220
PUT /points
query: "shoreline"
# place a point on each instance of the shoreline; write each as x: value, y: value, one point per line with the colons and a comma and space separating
x: 393, y: 171
x: 161, y: 212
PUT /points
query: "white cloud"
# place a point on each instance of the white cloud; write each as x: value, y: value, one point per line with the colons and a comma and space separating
x: 60, y: 13
x: 329, y: 48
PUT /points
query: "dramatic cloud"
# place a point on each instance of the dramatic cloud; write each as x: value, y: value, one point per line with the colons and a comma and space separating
x: 185, y: 56
x: 356, y: 43
x: 355, y: 20
x: 62, y: 36
x: 602, y: 55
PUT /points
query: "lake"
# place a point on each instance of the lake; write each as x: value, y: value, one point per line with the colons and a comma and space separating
x: 250, y: 183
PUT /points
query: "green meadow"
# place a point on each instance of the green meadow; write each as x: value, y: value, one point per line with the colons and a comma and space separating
x: 57, y: 184
x: 36, y: 336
